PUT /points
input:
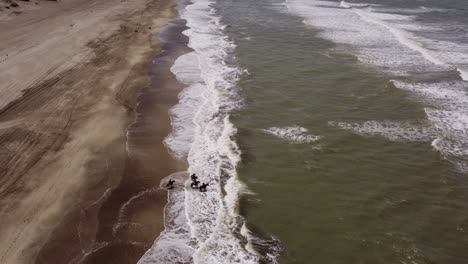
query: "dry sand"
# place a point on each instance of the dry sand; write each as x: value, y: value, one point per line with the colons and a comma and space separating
x: 70, y: 73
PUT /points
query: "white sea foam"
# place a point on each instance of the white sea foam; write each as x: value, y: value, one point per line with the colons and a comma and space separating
x: 452, y: 142
x: 463, y: 73
x: 444, y: 95
x: 205, y: 227
x: 392, y: 130
x: 417, y: 10
x: 294, y: 134
x: 447, y: 114
x: 172, y: 245
x: 385, y: 37
x: 350, y: 5
x: 453, y: 130
x: 395, y: 40
x: 186, y: 70
x: 447, y: 111
x: 370, y: 42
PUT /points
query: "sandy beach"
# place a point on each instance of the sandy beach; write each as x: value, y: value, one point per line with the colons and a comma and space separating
x: 75, y: 187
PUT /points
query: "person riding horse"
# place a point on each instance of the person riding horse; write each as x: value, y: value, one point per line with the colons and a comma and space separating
x: 194, y: 184
x: 193, y: 177
x: 170, y: 184
x: 203, y: 187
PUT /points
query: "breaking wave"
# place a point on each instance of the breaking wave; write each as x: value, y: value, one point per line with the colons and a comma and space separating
x: 397, y: 42
x: 294, y: 134
x: 206, y: 227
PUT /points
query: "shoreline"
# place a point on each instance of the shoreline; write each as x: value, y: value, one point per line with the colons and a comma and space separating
x: 145, y: 142
x: 73, y: 192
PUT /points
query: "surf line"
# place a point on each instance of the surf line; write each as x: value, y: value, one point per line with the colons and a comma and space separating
x: 173, y: 45
x: 205, y: 227
x: 405, y: 39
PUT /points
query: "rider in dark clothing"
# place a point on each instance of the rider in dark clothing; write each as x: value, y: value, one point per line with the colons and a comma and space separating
x: 170, y: 184
x: 194, y: 184
x: 193, y: 177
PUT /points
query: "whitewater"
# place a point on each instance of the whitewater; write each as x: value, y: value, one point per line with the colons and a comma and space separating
x: 205, y: 227
x: 415, y: 54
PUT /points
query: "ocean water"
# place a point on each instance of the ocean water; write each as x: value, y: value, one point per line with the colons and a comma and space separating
x: 330, y: 132
x: 205, y: 227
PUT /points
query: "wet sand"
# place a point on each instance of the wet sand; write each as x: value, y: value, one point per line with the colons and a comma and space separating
x: 71, y: 189
x: 131, y: 217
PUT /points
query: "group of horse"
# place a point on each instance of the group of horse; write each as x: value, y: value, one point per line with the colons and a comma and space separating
x: 193, y: 185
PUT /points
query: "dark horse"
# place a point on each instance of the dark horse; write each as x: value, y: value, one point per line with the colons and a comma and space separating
x: 203, y: 187
x: 194, y: 184
x: 170, y: 184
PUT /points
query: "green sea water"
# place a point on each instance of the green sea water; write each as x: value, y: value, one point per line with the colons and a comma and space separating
x: 345, y: 198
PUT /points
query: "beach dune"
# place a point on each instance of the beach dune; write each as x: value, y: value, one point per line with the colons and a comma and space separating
x: 70, y: 192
